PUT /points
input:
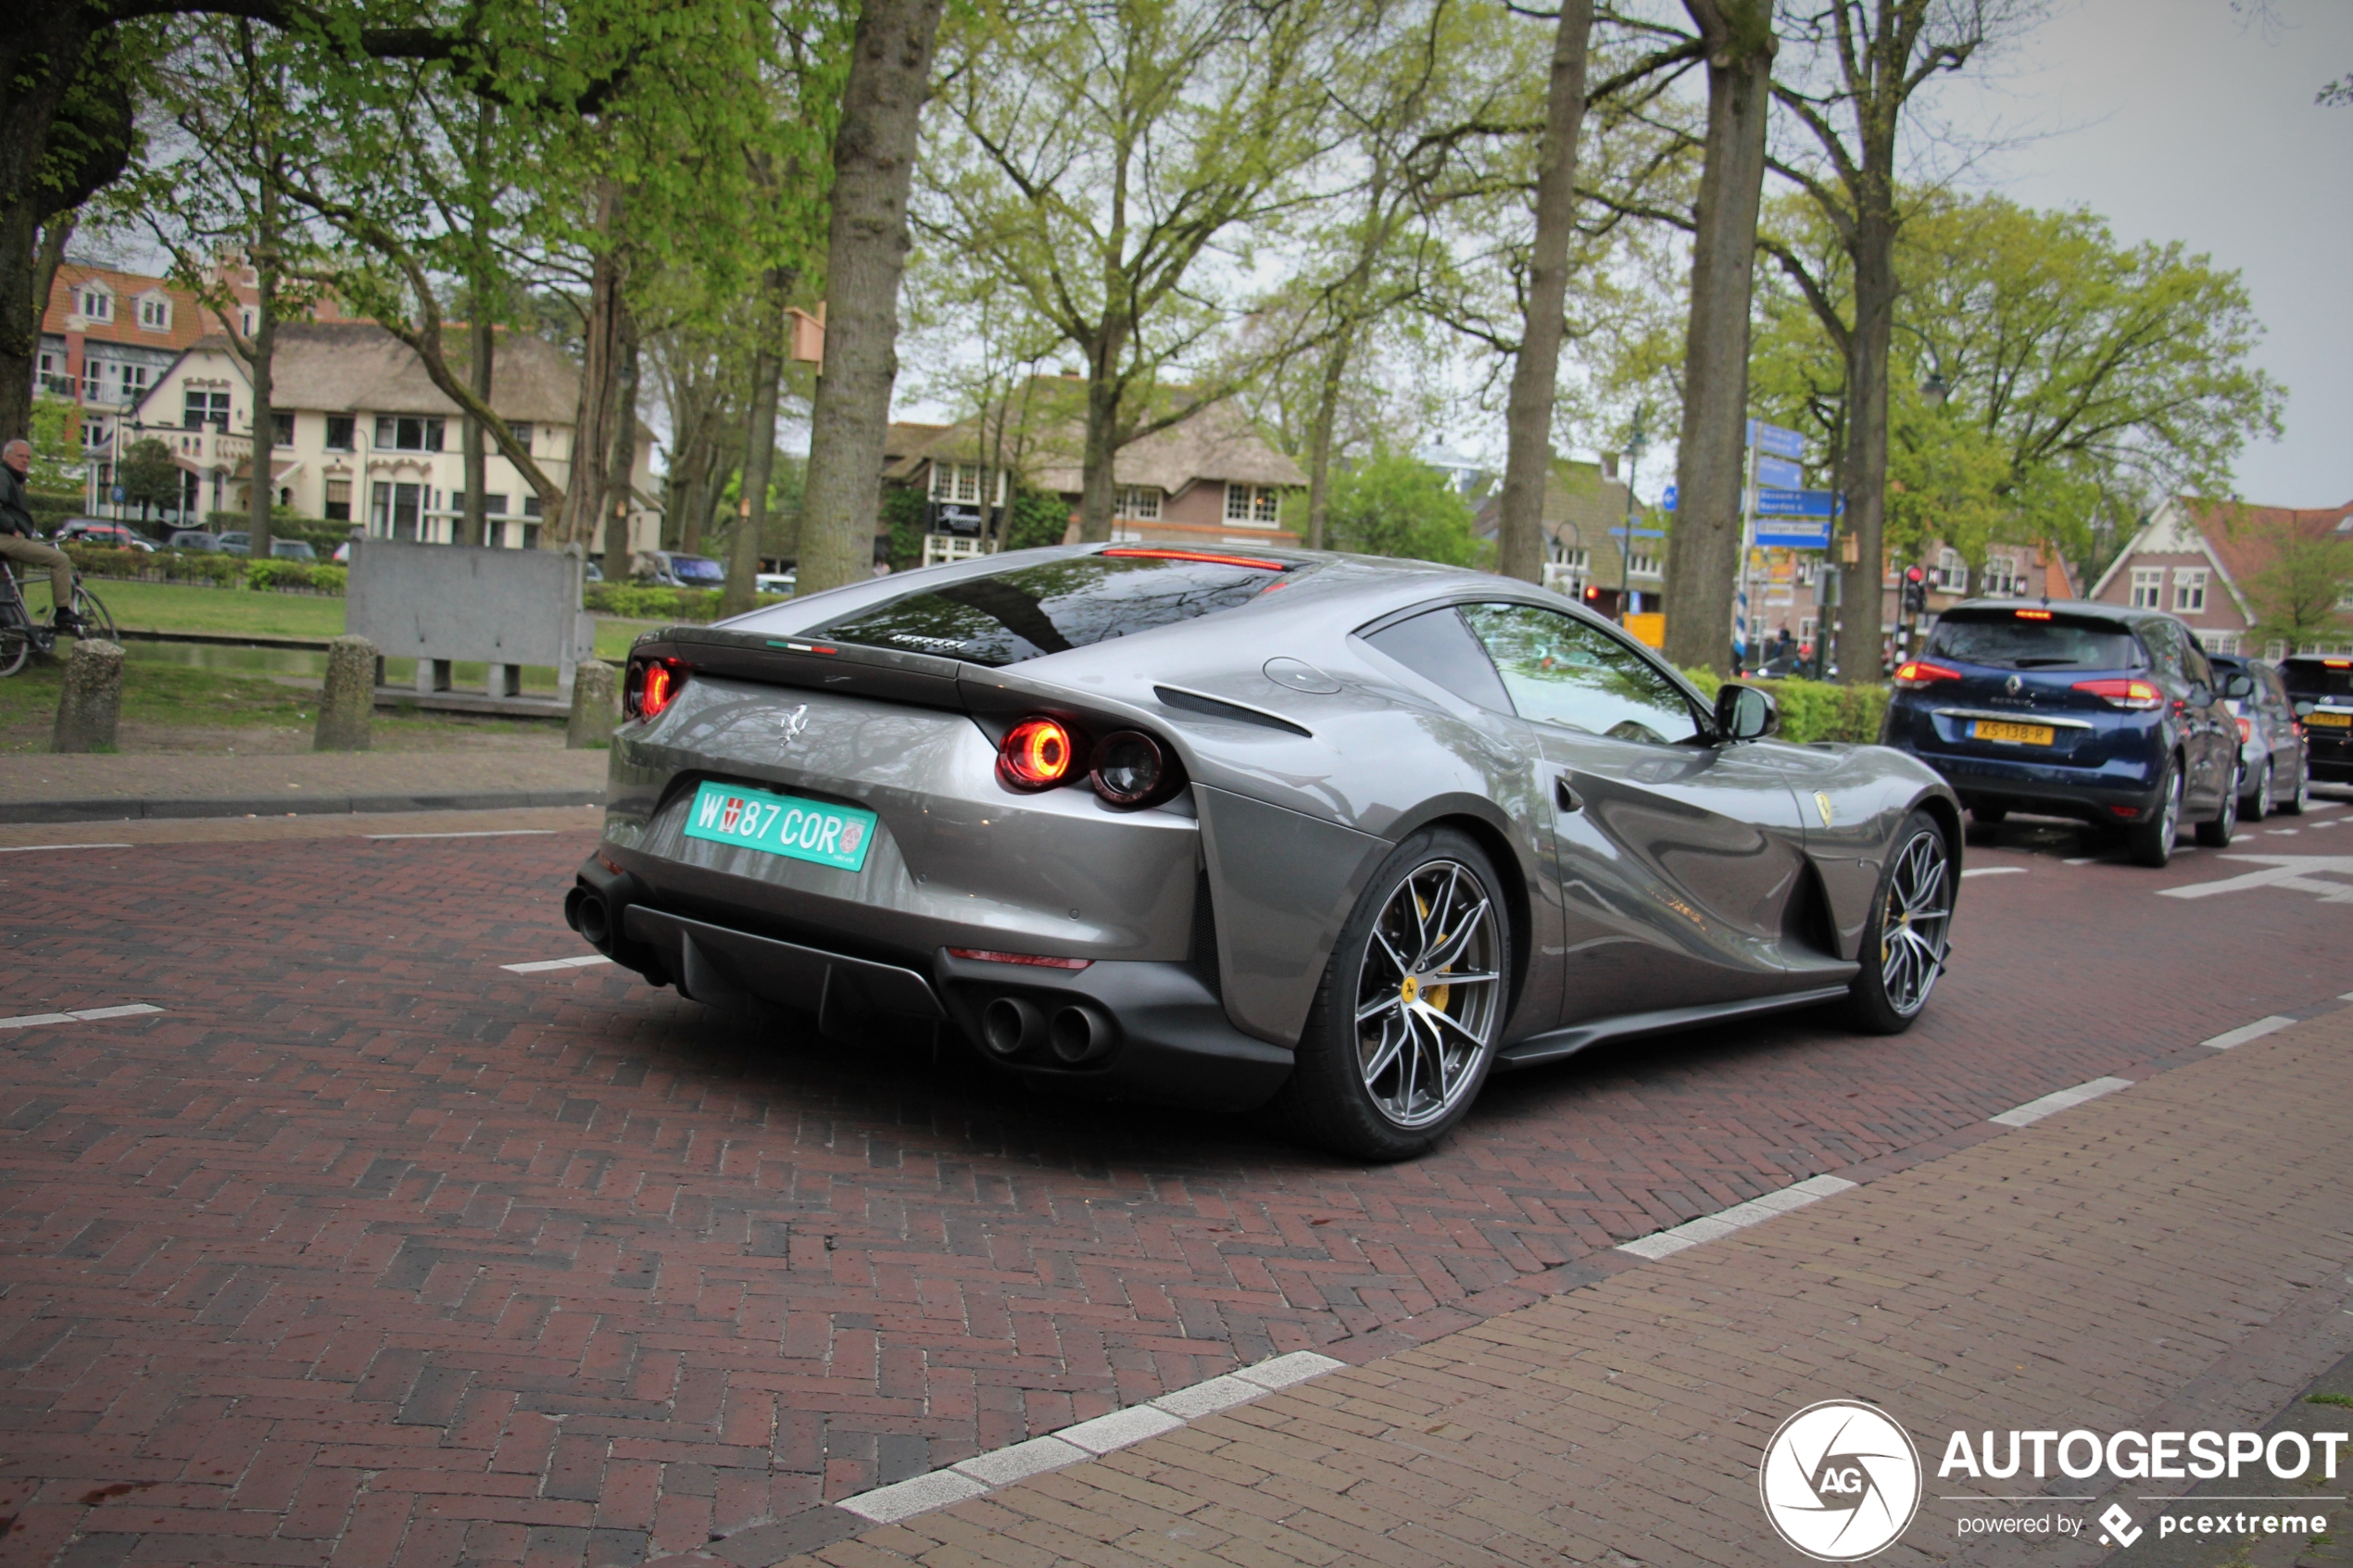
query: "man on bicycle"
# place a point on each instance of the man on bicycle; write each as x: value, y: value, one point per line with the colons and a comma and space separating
x: 20, y: 542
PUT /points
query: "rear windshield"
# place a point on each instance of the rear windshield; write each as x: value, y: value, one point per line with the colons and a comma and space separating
x: 2317, y: 677
x: 696, y: 569
x: 2009, y: 641
x: 1055, y: 606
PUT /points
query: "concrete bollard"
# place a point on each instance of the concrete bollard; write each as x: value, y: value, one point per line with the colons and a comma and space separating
x: 596, y: 706
x: 91, y: 701
x: 348, y: 701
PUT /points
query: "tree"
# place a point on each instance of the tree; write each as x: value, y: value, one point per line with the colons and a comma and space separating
x: 1098, y: 153
x: 866, y: 246
x: 1863, y: 61
x: 1702, y: 549
x: 1392, y: 504
x: 148, y: 476
x: 2301, y: 597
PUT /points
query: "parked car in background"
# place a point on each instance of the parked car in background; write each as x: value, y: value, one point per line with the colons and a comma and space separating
x: 292, y: 550
x: 775, y: 582
x: 195, y: 540
x: 2321, y: 692
x: 98, y: 531
x: 672, y: 570
x: 2107, y: 715
x: 593, y: 569
x: 2271, y: 752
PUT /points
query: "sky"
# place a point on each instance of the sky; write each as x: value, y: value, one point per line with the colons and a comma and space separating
x: 2185, y: 119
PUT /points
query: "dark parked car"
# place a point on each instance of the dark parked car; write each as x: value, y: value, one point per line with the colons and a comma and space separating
x: 2272, y: 772
x: 195, y: 540
x: 2107, y: 715
x: 2321, y: 690
x: 672, y: 570
x: 1225, y: 827
x: 98, y: 531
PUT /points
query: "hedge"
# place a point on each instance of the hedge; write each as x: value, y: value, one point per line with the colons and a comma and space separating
x: 217, y: 571
x: 637, y: 601
x: 1813, y: 710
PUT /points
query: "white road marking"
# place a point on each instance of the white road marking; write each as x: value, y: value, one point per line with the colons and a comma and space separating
x: 2058, y: 1099
x: 1106, y: 1433
x: 2246, y: 1032
x: 2081, y: 860
x: 1707, y: 1227
x: 545, y: 964
x: 2280, y: 832
x: 484, y: 832
x: 37, y: 849
x: 2299, y: 873
x: 1994, y: 871
x: 80, y: 1015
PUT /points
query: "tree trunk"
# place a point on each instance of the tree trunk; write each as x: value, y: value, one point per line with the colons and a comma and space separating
x: 1536, y: 374
x: 1319, y: 437
x: 760, y: 450
x: 482, y: 352
x: 599, y: 368
x: 621, y: 466
x: 1097, y: 475
x: 1863, y: 467
x: 47, y: 258
x: 259, y: 365
x: 866, y: 247
x: 1704, y: 546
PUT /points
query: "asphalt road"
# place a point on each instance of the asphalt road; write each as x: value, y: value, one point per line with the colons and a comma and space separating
x: 366, y: 1248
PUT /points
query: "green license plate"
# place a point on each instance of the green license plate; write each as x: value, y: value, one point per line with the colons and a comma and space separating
x: 782, y: 824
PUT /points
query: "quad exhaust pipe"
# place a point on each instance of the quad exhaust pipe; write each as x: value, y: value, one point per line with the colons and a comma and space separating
x: 1074, y: 1035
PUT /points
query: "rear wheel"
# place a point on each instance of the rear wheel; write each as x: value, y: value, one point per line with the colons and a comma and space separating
x: 1904, y: 941
x: 2151, y: 839
x: 2293, y: 804
x: 1405, y: 1025
x: 2257, y: 799
x: 2216, y: 833
x: 16, y: 649
x: 96, y: 620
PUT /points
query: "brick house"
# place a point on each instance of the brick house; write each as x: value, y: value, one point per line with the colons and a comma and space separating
x: 2198, y: 559
x: 1582, y: 559
x: 1211, y: 479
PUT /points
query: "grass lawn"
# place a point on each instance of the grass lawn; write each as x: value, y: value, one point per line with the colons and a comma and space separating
x: 186, y: 607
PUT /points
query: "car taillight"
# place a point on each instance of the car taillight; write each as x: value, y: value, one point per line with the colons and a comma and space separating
x: 652, y: 685
x: 1912, y: 674
x: 2246, y: 731
x: 1131, y: 770
x: 1038, y: 754
x: 2138, y: 695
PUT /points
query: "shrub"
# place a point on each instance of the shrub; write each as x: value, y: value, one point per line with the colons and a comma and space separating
x: 1813, y: 710
x: 219, y: 572
x: 317, y: 577
x: 637, y: 601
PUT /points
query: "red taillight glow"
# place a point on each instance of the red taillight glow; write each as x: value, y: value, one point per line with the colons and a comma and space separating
x: 1038, y: 754
x: 2247, y: 730
x: 1036, y: 961
x: 1912, y: 674
x: 2034, y: 614
x: 652, y: 685
x: 1252, y: 562
x: 2138, y: 695
x: 2338, y: 663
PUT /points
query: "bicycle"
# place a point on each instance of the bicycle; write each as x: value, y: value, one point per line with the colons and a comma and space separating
x: 22, y: 634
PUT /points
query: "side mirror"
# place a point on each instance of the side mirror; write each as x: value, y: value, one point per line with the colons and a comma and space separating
x: 1745, y: 712
x: 2238, y: 686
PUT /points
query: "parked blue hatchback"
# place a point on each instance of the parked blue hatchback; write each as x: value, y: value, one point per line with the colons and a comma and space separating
x: 2107, y: 715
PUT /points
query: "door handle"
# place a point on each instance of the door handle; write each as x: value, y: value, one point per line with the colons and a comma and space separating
x: 1564, y: 796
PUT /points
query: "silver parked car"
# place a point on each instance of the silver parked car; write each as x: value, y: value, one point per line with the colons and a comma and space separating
x: 1225, y: 827
x: 2273, y: 764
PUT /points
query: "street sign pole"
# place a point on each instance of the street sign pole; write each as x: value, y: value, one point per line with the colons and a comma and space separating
x: 1743, y: 615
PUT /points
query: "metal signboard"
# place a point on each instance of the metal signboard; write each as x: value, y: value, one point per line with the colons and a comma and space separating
x: 1775, y: 439
x: 1779, y: 472
x: 1796, y: 503
x: 1792, y: 534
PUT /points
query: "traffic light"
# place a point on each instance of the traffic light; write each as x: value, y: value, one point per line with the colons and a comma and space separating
x: 1592, y: 592
x: 1915, y: 590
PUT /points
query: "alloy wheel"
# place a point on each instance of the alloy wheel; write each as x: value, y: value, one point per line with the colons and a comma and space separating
x: 1428, y: 995
x: 1912, y: 925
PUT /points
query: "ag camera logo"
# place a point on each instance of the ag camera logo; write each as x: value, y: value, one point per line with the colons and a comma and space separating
x: 1840, y: 1480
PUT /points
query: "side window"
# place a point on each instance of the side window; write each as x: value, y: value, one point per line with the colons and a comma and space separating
x: 1559, y: 671
x: 1438, y: 646
x: 2165, y: 649
x: 2200, y: 670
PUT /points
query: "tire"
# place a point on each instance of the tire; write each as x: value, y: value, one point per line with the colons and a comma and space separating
x: 2295, y: 804
x: 1909, y: 930
x: 1359, y: 1086
x: 2217, y: 833
x: 1985, y: 823
x: 16, y: 650
x: 2258, y: 800
x: 2150, y: 840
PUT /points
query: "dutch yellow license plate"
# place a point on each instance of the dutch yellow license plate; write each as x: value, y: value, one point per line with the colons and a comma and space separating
x: 2333, y: 720
x: 2012, y: 735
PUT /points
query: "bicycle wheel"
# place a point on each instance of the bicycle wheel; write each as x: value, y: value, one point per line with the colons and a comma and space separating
x: 16, y: 648
x: 95, y: 619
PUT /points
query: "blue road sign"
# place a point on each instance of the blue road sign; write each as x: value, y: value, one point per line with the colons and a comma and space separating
x: 1796, y: 503
x: 1774, y: 439
x: 1792, y: 534
x: 1638, y: 533
x: 1667, y: 502
x: 1779, y: 472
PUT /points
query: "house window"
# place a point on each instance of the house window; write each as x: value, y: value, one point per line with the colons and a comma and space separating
x: 2220, y: 642
x: 53, y: 373
x: 530, y: 509
x: 97, y: 303
x: 956, y: 483
x: 1951, y: 573
x: 1641, y: 563
x: 154, y: 313
x: 2189, y: 589
x: 1140, y: 502
x: 339, y: 500
x: 96, y: 433
x: 407, y: 435
x: 201, y: 409
x: 494, y: 503
x: 281, y: 428
x: 2148, y: 586
x: 2001, y: 578
x: 941, y: 548
x: 521, y: 431
x: 1260, y: 506
x: 1577, y: 560
x: 246, y: 321
x: 340, y: 431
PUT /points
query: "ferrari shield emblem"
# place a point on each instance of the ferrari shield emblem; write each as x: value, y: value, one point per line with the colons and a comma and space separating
x: 1823, y: 804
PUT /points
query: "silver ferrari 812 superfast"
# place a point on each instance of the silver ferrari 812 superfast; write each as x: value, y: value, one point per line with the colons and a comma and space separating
x: 1221, y: 827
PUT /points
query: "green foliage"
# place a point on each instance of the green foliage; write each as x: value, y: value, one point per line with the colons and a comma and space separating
x: 637, y: 601
x: 1390, y: 504
x: 902, y: 510
x: 56, y: 448
x: 2299, y: 597
x: 1815, y: 710
x: 1039, y: 520
x: 221, y: 572
x: 148, y: 474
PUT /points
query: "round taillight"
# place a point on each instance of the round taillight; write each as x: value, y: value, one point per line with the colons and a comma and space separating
x: 652, y: 685
x: 1129, y: 768
x: 1038, y: 754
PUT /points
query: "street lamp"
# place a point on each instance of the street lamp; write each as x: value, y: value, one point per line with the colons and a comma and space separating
x: 1634, y: 449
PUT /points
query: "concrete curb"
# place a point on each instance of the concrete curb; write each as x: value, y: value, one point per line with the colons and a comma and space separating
x: 103, y: 811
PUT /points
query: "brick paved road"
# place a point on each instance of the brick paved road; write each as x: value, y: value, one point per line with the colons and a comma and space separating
x: 367, y: 1251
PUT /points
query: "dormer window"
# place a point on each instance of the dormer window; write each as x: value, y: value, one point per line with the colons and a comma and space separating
x: 97, y: 303
x: 154, y: 312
